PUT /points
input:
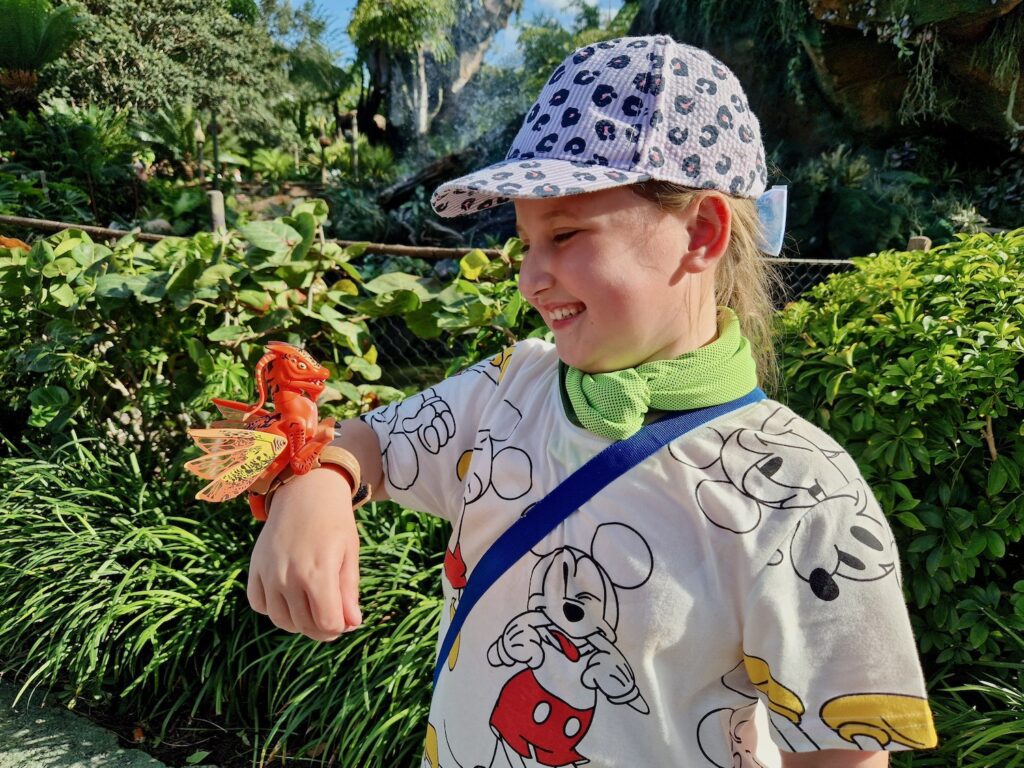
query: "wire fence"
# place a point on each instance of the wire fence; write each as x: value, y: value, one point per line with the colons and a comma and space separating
x: 409, y: 362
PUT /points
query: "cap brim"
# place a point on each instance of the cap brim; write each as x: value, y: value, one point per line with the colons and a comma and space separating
x: 526, y: 178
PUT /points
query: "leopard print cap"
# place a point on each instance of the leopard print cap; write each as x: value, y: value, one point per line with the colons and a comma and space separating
x: 620, y: 112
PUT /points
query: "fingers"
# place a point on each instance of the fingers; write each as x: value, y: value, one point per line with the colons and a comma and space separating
x: 256, y: 594
x: 348, y: 588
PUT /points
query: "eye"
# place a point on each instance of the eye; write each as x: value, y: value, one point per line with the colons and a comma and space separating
x: 303, y: 366
x: 561, y: 237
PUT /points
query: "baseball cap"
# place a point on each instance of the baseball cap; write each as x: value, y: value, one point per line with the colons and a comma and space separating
x: 620, y: 112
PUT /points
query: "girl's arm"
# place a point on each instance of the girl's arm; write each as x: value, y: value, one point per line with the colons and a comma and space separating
x: 835, y: 758
x: 304, y: 571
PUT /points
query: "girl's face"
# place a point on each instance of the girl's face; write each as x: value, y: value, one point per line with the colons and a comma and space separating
x: 613, y: 276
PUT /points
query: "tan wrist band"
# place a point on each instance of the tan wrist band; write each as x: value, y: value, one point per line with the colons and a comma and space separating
x: 334, y: 457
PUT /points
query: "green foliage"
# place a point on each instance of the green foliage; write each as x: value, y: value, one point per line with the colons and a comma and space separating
x: 125, y: 592
x: 847, y: 201
x: 980, y: 722
x: 404, y: 26
x: 143, y: 56
x: 479, y: 312
x: 545, y: 42
x: 274, y: 164
x: 915, y: 362
x: 35, y: 34
x: 87, y: 147
x: 26, y: 194
x: 131, y: 342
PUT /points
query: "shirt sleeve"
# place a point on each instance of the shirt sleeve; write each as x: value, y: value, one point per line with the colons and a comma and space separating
x: 427, y: 438
x: 827, y: 641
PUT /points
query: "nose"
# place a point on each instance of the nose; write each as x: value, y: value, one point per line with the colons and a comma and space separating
x: 572, y: 612
x: 535, y: 275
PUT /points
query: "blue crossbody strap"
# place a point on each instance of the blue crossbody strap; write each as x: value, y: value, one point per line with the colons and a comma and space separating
x: 575, y: 491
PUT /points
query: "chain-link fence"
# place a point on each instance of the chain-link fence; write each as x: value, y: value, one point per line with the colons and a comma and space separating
x: 800, y: 275
x: 411, y: 363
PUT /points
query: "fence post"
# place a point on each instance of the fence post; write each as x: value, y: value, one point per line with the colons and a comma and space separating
x: 217, y: 217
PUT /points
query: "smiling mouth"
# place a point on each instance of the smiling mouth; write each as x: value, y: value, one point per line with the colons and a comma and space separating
x: 564, y: 313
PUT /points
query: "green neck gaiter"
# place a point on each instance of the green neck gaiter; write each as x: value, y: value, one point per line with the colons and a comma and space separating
x: 614, y: 404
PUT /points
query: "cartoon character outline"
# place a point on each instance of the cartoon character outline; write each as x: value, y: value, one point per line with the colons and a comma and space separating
x: 767, y: 468
x: 862, y: 549
x: 565, y: 646
x: 489, y: 466
x: 431, y: 426
x: 784, y: 710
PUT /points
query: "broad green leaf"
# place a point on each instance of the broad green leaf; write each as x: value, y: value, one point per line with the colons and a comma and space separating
x: 215, y: 275
x: 511, y: 311
x: 364, y: 368
x: 185, y: 277
x: 69, y: 244
x: 63, y: 295
x: 198, y: 354
x: 46, y: 404
x: 305, y: 224
x: 911, y: 520
x: 258, y: 300
x: 346, y: 286
x: 423, y: 287
x: 997, y: 477
x: 228, y: 332
x: 145, y: 288
x: 978, y: 635
x: 395, y: 303
x: 315, y: 207
x: 355, y: 250
x: 423, y: 321
x: 996, y: 544
x: 473, y: 263
x: 273, y: 236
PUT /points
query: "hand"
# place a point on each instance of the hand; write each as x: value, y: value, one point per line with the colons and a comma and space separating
x: 433, y: 424
x: 304, y: 571
x: 609, y: 672
x: 520, y: 642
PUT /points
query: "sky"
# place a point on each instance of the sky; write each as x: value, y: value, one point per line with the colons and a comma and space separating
x: 503, y: 48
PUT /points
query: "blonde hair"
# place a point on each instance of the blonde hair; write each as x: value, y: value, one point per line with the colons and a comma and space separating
x: 744, y: 278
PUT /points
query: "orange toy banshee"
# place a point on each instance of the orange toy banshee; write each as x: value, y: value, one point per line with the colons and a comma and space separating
x: 251, y: 447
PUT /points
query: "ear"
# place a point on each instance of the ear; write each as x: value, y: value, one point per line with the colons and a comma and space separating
x: 709, y: 225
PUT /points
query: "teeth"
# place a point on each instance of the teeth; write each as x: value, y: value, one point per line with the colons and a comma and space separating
x: 563, y: 312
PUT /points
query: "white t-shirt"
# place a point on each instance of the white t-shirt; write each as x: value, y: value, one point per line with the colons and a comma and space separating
x: 736, y: 591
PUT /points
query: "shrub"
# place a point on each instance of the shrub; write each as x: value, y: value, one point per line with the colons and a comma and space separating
x: 87, y: 147
x: 127, y: 594
x: 914, y: 362
x: 131, y: 342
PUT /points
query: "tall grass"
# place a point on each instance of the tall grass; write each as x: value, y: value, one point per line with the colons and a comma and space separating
x: 131, y: 594
x: 980, y: 721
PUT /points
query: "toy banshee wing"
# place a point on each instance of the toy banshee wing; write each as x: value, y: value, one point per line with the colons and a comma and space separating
x: 235, y: 459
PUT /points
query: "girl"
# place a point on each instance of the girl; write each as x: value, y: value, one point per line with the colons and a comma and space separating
x: 733, y: 600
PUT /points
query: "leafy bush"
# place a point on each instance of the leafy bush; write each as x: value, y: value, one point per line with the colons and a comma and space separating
x: 915, y: 363
x: 127, y: 594
x: 980, y: 722
x: 132, y: 341
x: 28, y: 194
x: 274, y: 164
x: 87, y: 147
